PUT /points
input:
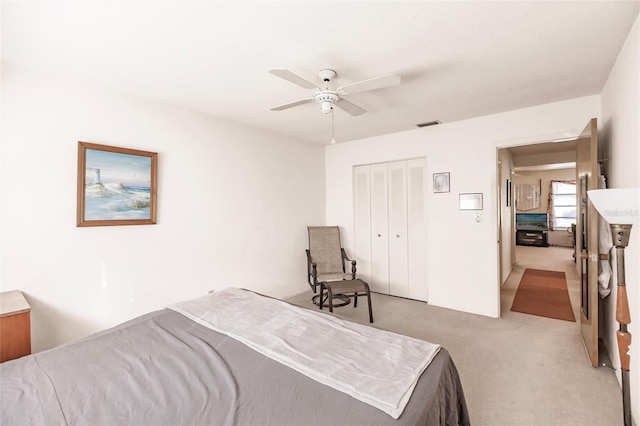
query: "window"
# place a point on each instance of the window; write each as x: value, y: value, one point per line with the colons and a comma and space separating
x: 562, y: 204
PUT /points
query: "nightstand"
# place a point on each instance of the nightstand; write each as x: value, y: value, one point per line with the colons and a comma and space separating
x: 15, y: 326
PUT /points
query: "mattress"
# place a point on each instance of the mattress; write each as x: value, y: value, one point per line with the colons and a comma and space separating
x: 166, y: 369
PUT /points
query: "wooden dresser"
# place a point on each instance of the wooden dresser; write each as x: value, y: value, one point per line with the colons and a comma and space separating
x: 15, y: 326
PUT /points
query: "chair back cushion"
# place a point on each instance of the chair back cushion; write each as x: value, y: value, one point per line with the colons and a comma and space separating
x: 325, y: 248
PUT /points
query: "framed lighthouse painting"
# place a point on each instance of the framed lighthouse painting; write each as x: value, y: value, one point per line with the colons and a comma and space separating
x: 116, y: 186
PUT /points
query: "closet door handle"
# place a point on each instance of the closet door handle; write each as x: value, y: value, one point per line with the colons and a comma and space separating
x: 397, y: 236
x: 379, y: 235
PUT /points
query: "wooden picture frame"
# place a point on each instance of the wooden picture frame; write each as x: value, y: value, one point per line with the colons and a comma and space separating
x: 471, y: 201
x: 441, y: 182
x: 116, y: 186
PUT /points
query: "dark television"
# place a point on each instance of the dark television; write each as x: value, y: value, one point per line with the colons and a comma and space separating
x: 532, y: 222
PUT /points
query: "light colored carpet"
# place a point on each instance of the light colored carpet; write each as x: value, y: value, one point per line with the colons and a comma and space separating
x: 516, y: 370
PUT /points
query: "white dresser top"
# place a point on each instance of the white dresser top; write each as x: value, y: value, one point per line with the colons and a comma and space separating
x: 13, y: 302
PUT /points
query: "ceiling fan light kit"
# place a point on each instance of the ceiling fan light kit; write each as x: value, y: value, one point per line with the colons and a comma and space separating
x: 326, y: 100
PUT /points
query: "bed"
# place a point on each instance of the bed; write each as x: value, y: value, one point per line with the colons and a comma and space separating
x: 174, y: 366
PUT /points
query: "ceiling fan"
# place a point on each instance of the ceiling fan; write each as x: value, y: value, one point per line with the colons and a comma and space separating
x: 326, y: 97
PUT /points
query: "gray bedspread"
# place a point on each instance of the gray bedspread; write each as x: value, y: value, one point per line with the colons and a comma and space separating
x: 164, y: 369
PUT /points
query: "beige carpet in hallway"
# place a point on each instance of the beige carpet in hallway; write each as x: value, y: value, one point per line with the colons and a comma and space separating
x: 518, y: 369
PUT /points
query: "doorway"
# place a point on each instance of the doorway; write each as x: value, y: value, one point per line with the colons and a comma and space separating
x: 525, y: 175
x: 538, y: 166
x: 529, y: 240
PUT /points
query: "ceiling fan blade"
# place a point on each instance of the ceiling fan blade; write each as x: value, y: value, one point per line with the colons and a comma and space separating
x: 350, y: 107
x: 291, y: 77
x: 291, y: 104
x: 371, y: 84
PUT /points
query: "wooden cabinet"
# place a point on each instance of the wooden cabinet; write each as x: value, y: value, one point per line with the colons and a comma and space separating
x: 390, y: 227
x: 15, y: 326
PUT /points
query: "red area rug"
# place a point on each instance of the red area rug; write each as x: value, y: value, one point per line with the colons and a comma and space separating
x: 543, y: 293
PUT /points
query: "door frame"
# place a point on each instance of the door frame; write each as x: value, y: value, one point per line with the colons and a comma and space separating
x: 534, y: 140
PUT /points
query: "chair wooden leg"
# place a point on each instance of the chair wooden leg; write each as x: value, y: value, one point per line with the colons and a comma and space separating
x: 355, y: 299
x: 321, y: 302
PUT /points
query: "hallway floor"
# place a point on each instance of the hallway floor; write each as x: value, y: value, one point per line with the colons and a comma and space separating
x: 545, y: 258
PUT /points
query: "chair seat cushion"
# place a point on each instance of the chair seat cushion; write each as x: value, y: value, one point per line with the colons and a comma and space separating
x: 347, y: 286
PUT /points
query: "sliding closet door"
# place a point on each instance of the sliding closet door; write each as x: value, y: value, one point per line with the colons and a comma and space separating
x: 417, y: 228
x: 398, y: 256
x: 362, y: 221
x: 379, y: 230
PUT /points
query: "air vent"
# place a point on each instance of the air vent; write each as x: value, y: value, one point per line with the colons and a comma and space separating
x: 428, y: 123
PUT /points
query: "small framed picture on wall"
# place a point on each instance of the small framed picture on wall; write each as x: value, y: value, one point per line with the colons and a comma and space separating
x: 441, y: 182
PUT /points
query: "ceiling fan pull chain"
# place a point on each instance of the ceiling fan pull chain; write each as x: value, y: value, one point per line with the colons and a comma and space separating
x: 333, y: 138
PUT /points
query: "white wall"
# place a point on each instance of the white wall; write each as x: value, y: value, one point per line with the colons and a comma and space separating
x: 462, y: 254
x: 620, y: 132
x: 233, y: 206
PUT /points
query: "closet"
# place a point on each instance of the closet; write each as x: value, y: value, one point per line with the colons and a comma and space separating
x: 390, y: 227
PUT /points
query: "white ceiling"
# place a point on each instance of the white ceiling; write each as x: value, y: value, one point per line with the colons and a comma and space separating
x: 544, y: 156
x: 457, y: 59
